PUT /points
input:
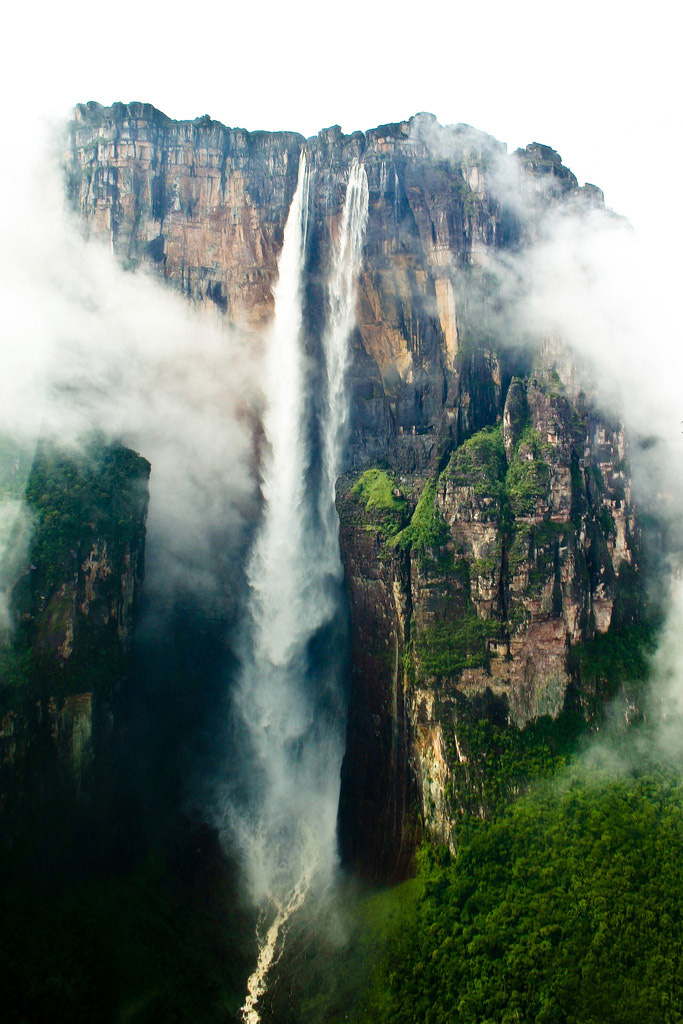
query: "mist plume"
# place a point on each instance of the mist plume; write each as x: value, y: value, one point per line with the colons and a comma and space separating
x: 89, y: 348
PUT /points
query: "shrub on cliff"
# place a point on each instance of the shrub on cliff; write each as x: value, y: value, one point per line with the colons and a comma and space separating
x: 427, y: 529
x: 448, y: 647
x: 528, y: 475
x: 76, y: 497
x: 479, y: 463
x: 378, y: 494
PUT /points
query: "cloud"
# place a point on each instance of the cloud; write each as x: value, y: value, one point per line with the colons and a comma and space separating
x: 587, y: 282
x: 581, y: 283
x: 86, y: 346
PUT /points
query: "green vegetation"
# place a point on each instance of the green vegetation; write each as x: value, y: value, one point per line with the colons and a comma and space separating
x: 543, y: 546
x: 503, y: 760
x: 15, y: 668
x: 518, y: 551
x: 427, y: 529
x: 15, y: 461
x: 579, y: 498
x: 479, y: 463
x: 443, y: 563
x: 606, y: 522
x: 546, y: 540
x: 631, y: 603
x: 75, y: 500
x: 375, y: 490
x: 527, y: 478
x: 77, y: 497
x: 518, y: 616
x: 448, y: 647
x: 616, y: 657
x: 486, y: 566
x: 547, y: 532
x: 565, y: 910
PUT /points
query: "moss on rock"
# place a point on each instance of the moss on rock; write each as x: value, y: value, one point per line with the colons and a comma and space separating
x: 446, y: 648
x: 427, y: 529
x: 479, y: 463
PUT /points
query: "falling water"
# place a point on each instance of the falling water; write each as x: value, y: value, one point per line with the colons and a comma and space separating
x: 290, y: 705
x: 277, y: 592
x: 341, y: 321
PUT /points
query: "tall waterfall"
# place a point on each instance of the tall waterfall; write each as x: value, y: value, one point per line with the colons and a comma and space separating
x: 289, y: 699
x: 341, y: 321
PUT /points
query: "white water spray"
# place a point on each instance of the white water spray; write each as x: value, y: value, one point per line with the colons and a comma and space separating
x: 274, y: 571
x: 290, y: 706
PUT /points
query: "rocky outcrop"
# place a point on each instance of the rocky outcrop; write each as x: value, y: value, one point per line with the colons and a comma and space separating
x: 74, y: 604
x: 522, y: 548
x: 203, y: 205
x: 378, y: 814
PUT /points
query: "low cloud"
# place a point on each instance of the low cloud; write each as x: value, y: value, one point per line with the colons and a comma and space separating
x: 583, y: 281
x: 87, y: 346
x: 588, y: 282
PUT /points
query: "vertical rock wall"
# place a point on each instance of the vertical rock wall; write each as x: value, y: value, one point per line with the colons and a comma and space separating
x: 74, y: 604
x: 507, y: 536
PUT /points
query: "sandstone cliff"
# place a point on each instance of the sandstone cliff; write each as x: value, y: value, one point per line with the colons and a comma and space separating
x: 204, y: 206
x: 470, y: 589
x: 493, y: 533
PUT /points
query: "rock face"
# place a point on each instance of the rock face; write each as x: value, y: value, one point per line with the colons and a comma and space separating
x: 204, y: 207
x: 522, y: 548
x: 203, y: 204
x: 495, y: 531
x: 74, y: 606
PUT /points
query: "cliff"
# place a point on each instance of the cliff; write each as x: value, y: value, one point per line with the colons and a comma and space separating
x: 204, y: 207
x: 471, y: 591
x: 73, y: 602
x: 487, y: 529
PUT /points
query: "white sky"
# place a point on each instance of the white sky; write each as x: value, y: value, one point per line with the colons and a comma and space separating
x: 596, y: 80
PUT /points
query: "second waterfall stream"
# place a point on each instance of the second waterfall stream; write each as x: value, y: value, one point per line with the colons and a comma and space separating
x: 289, y: 700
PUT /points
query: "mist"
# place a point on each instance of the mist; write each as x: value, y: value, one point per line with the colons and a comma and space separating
x: 88, y: 348
x: 607, y: 305
x: 582, y: 286
x: 92, y: 349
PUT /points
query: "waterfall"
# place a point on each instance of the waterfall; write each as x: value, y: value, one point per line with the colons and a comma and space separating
x: 290, y: 704
x: 274, y: 573
x: 340, y: 323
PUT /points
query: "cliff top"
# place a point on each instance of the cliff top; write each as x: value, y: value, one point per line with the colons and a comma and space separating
x: 421, y: 129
